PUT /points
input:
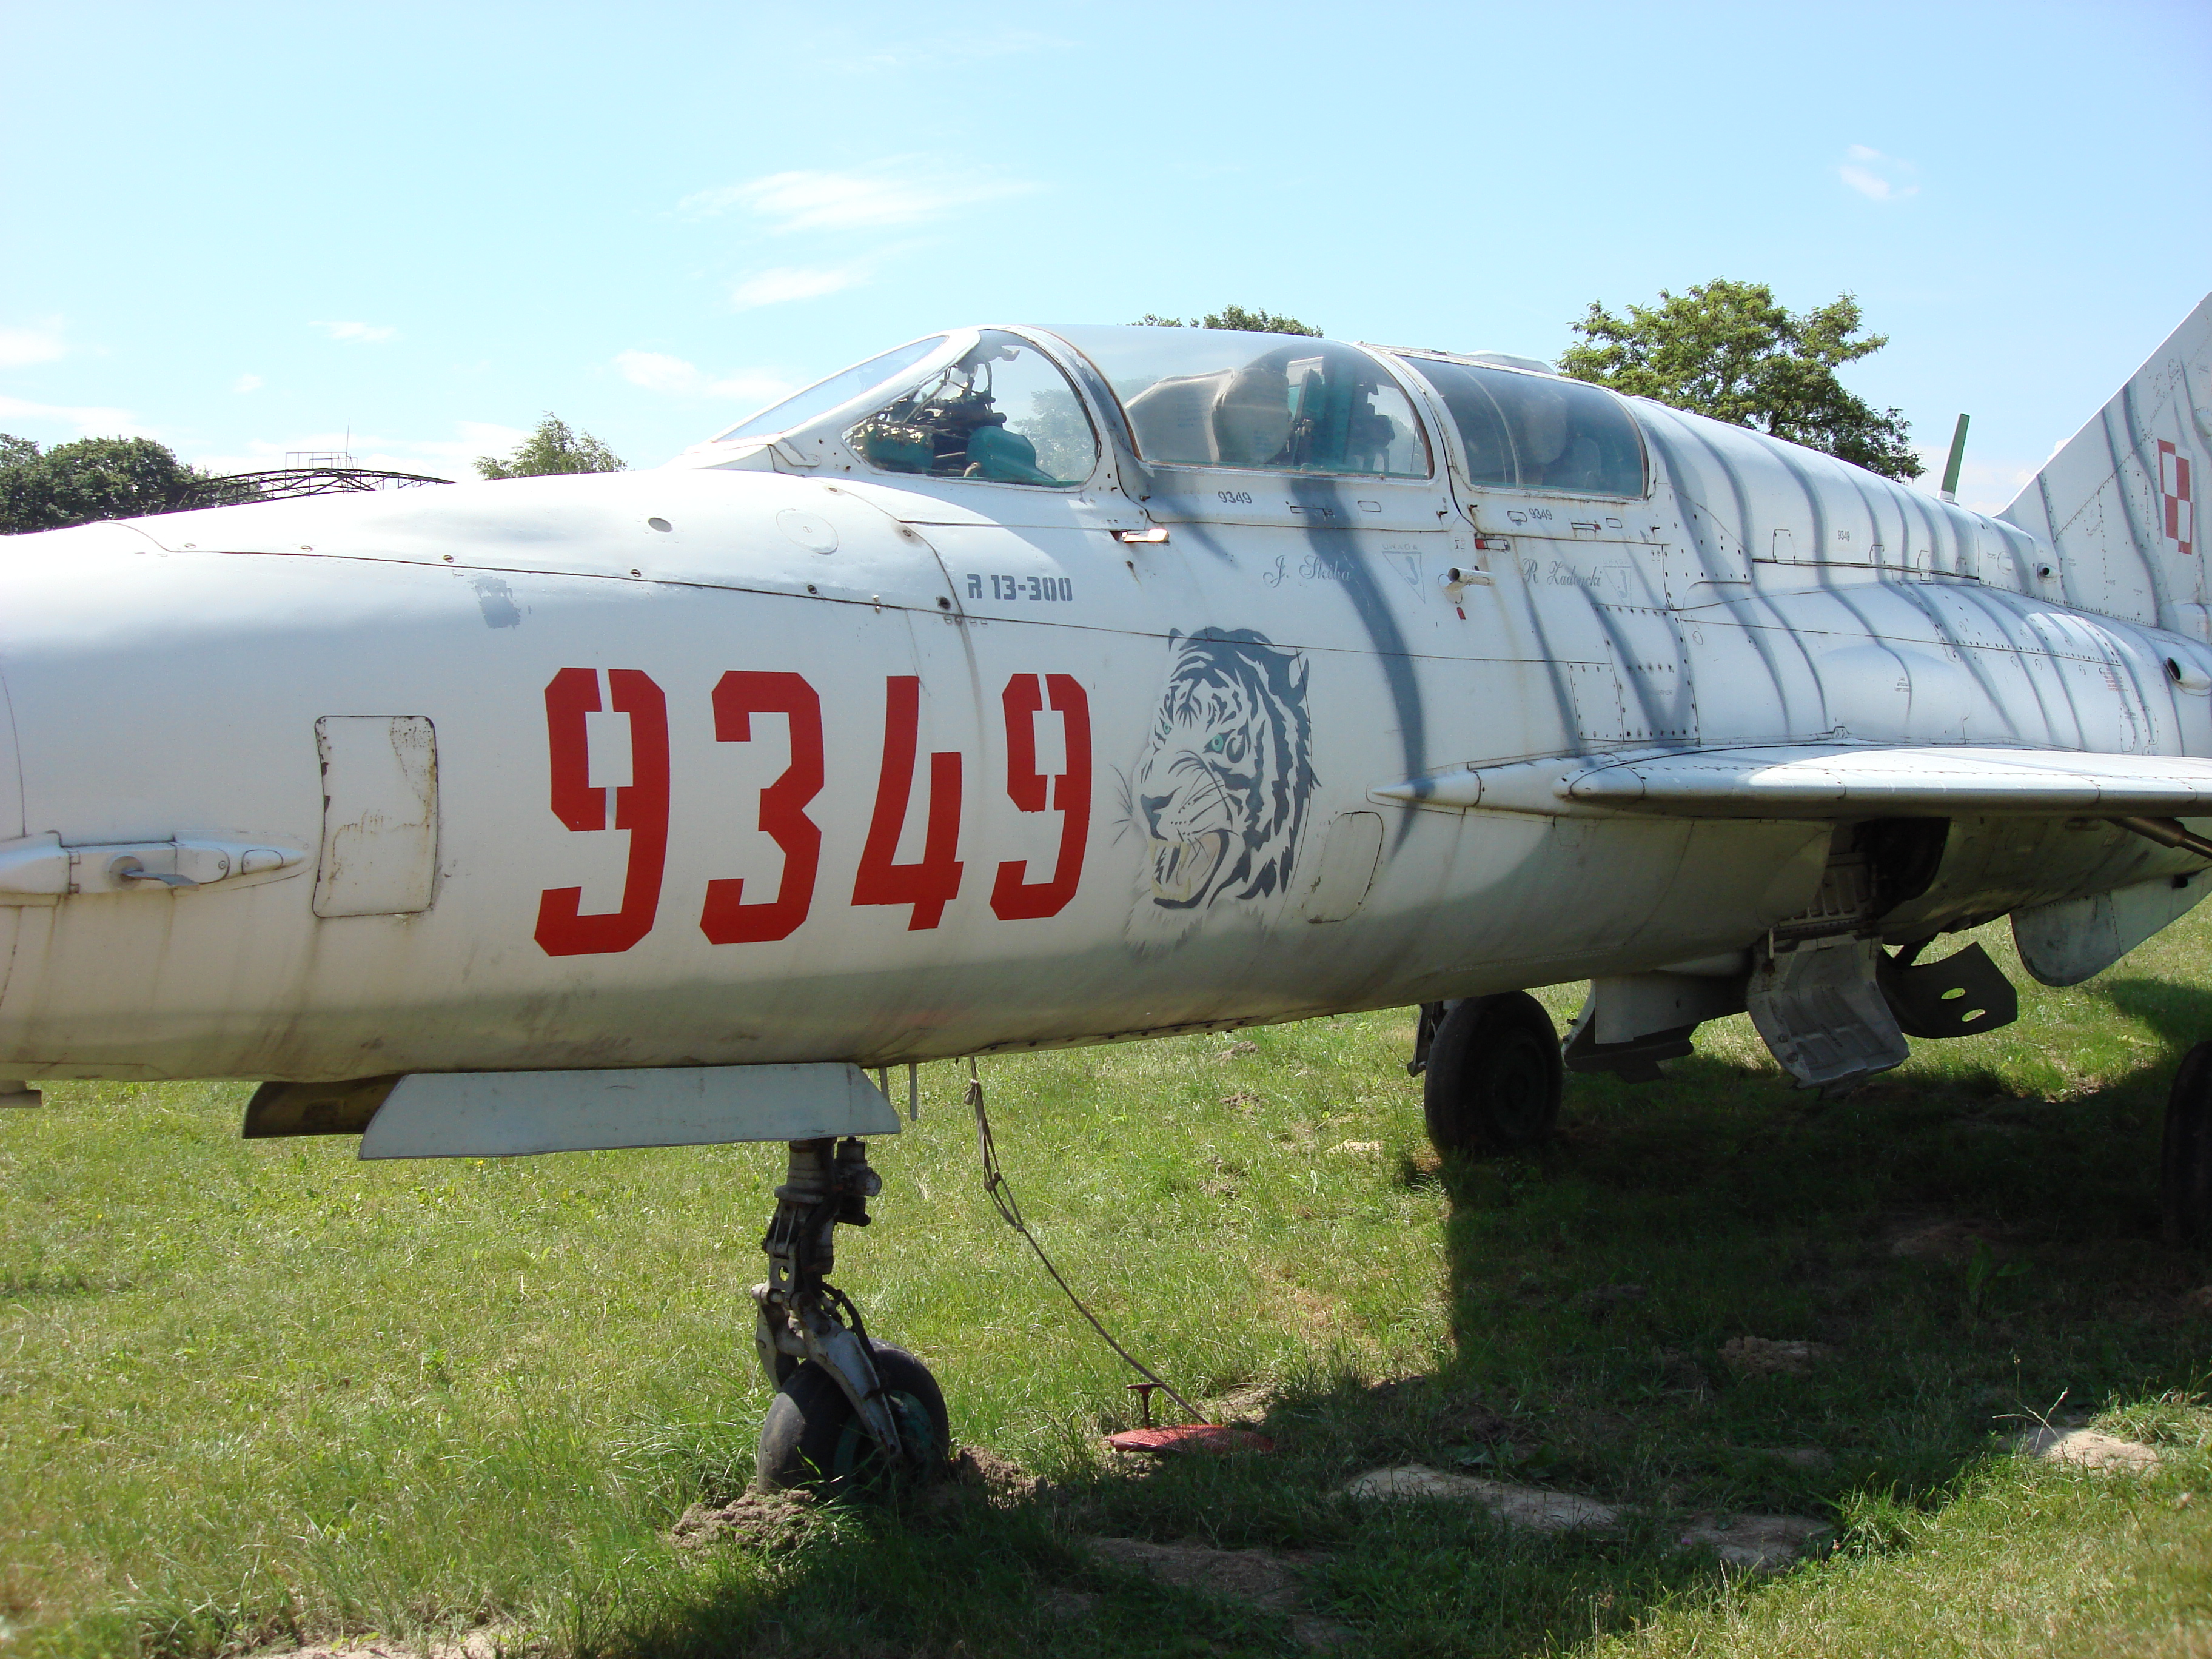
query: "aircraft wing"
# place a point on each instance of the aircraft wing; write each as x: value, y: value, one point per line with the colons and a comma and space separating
x: 1828, y: 780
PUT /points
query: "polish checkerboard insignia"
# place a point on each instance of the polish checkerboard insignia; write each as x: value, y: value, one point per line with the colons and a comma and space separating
x: 2174, y: 496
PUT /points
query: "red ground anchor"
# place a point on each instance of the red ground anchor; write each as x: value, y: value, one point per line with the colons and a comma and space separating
x: 1163, y: 1441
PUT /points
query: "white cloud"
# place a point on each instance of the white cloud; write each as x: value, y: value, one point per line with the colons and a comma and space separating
x: 892, y: 195
x: 86, y: 422
x: 41, y: 344
x: 368, y: 333
x: 786, y: 282
x: 1877, y: 177
x: 656, y: 371
x: 247, y: 383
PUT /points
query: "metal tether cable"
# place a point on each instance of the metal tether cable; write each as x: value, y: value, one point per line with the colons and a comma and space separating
x: 1001, y: 1194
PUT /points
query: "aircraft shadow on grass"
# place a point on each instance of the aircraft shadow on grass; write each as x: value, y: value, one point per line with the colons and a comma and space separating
x: 2180, y: 1014
x: 1953, y: 1249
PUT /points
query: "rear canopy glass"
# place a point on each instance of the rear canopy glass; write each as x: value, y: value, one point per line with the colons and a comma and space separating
x: 1271, y: 402
x: 1540, y: 431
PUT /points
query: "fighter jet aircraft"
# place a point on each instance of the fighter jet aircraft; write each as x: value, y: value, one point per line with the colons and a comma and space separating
x: 1029, y: 687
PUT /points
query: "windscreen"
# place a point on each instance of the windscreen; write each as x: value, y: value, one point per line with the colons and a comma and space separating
x: 1274, y: 402
x: 1539, y: 431
x: 825, y: 395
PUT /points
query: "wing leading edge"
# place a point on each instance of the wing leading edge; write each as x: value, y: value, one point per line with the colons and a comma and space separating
x: 1826, y: 782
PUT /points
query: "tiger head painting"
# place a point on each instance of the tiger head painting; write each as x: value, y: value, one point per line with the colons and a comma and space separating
x: 1219, y: 794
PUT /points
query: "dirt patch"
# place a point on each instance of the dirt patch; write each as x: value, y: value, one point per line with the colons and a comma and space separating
x: 1756, y: 1356
x: 1061, y: 1603
x: 778, y: 1520
x: 476, y: 1644
x: 1258, y: 1577
x: 2088, y: 1449
x: 1954, y: 1241
x: 1263, y: 1579
x: 1534, y: 1507
x: 770, y: 1521
x: 1763, y: 1543
x: 980, y: 1477
x: 1003, y: 1481
x: 1247, y: 1403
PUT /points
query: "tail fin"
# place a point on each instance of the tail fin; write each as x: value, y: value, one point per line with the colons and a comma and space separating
x: 2118, y: 502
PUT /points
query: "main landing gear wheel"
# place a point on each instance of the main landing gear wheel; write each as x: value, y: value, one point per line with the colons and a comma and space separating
x: 848, y: 1410
x: 814, y: 1437
x: 2186, y: 1158
x: 1494, y: 1076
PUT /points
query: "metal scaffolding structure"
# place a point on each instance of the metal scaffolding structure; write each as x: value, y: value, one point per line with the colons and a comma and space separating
x: 336, y: 477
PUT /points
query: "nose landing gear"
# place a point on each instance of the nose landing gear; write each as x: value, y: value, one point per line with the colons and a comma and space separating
x: 847, y: 1409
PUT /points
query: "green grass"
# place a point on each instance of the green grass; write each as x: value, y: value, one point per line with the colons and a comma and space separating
x: 254, y: 1390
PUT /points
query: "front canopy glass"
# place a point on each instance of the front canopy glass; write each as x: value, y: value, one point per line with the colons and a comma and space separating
x: 822, y: 395
x: 1003, y: 413
x: 1271, y: 402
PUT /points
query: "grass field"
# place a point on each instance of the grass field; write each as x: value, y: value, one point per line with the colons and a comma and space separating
x: 250, y: 1392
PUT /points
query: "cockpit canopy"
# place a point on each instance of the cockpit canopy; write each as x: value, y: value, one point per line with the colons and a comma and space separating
x: 991, y: 405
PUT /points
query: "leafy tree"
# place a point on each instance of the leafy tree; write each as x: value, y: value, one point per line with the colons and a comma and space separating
x: 90, y: 479
x: 22, y: 497
x: 551, y: 448
x: 1728, y: 350
x: 1252, y: 322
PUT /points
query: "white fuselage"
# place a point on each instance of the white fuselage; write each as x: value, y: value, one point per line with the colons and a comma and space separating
x: 1213, y: 712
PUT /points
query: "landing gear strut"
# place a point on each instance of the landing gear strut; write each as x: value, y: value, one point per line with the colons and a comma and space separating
x: 848, y: 1408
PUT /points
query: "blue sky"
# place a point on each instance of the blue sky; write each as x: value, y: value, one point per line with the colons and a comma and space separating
x: 248, y: 230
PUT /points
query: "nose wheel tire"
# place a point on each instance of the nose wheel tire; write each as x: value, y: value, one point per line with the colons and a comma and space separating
x: 1494, y: 1076
x: 813, y: 1437
x: 2186, y: 1156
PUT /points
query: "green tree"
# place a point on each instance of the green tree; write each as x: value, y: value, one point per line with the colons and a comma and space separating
x: 1252, y: 322
x: 551, y: 448
x: 1728, y: 350
x: 91, y: 479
